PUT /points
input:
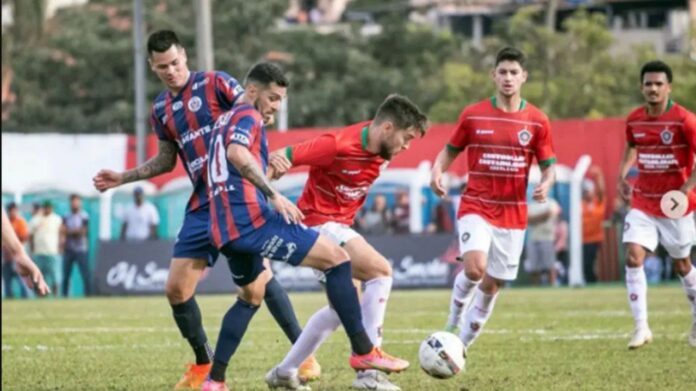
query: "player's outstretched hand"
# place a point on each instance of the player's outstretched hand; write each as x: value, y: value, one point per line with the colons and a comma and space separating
x: 279, y: 164
x: 107, y: 179
x: 290, y: 212
x: 31, y: 275
x: 541, y: 192
x: 436, y: 185
x: 624, y: 189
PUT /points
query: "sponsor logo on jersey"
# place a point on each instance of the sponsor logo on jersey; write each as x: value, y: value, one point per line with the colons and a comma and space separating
x: 177, y: 105
x: 351, y: 172
x: 238, y: 89
x: 220, y: 188
x: 524, y: 136
x: 194, y: 134
x: 159, y: 105
x: 352, y: 193
x: 194, y: 104
x: 197, y: 163
x: 241, y: 138
x: 484, y: 131
x: 666, y: 136
x: 199, y: 84
x: 638, y: 135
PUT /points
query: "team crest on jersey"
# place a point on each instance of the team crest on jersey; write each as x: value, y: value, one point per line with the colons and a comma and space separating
x: 524, y: 136
x: 177, y: 105
x: 194, y: 104
x: 666, y: 136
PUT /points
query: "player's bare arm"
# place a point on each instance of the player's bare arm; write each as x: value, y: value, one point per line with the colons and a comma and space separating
x: 278, y: 164
x: 25, y: 267
x: 442, y: 162
x: 629, y: 157
x: 242, y: 160
x: 690, y: 183
x: 164, y: 161
x: 548, y: 177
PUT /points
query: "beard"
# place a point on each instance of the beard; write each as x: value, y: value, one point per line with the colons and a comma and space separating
x: 385, y: 152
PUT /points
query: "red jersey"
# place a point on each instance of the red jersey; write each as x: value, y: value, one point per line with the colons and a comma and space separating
x: 665, y: 145
x: 342, y: 170
x: 501, y: 147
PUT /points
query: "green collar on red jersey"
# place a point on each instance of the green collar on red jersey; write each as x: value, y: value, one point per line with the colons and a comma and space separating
x: 363, y: 137
x: 494, y: 102
x: 670, y: 103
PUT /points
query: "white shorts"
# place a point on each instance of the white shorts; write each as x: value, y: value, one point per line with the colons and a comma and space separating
x: 337, y: 233
x: 502, y: 246
x: 676, y: 235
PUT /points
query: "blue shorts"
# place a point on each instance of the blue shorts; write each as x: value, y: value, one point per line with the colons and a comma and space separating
x: 275, y: 240
x: 193, y: 240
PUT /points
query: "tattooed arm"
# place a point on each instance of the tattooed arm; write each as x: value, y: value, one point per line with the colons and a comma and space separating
x: 244, y: 161
x: 164, y: 161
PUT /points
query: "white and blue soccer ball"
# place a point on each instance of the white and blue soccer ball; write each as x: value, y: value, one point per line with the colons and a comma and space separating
x: 441, y: 355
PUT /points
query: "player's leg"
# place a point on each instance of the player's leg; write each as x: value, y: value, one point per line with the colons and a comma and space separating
x: 502, y: 265
x: 640, y: 233
x: 82, y: 264
x: 474, y: 243
x: 677, y: 236
x: 281, y: 308
x: 68, y: 260
x: 251, y: 276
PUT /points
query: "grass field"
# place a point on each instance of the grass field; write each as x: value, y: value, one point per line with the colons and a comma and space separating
x: 537, y: 339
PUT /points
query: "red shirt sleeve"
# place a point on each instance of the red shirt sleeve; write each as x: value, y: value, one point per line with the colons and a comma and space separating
x: 543, y: 148
x: 319, y: 151
x: 459, y: 140
x: 629, y: 134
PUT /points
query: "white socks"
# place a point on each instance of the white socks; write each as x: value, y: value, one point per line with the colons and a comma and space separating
x: 689, y: 282
x: 326, y: 321
x: 374, y: 306
x: 476, y: 316
x: 462, y: 291
x: 318, y: 328
x: 637, y: 286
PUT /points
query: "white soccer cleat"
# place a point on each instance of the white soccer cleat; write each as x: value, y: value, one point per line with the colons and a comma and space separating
x: 692, y: 336
x: 274, y: 380
x: 372, y: 379
x: 641, y: 336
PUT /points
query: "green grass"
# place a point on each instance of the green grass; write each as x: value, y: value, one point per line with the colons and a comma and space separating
x: 537, y: 339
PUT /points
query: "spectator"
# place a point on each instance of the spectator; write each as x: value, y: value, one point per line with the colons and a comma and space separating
x: 593, y: 209
x: 402, y: 214
x: 442, y: 217
x: 541, y: 254
x: 35, y: 209
x: 45, y: 230
x: 75, y: 225
x: 560, y: 244
x: 141, y: 219
x: 378, y: 219
x: 19, y: 225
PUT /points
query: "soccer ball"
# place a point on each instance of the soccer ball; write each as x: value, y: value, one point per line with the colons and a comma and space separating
x: 441, y: 355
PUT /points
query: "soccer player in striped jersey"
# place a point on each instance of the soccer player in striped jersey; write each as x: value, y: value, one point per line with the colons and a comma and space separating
x: 245, y: 227
x: 661, y: 137
x: 502, y: 135
x: 182, y: 117
x: 343, y: 166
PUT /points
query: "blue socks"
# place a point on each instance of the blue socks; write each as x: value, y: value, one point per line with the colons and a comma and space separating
x: 234, y: 325
x: 279, y: 304
x: 344, y: 299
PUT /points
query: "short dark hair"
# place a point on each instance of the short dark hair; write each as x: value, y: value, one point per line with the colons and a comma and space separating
x: 74, y: 196
x: 10, y: 206
x: 658, y: 67
x: 403, y: 113
x: 510, y: 54
x: 160, y: 41
x: 265, y: 73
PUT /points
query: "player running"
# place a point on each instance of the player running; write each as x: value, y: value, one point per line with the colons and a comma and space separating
x: 343, y: 166
x: 503, y: 134
x: 182, y: 117
x: 246, y: 229
x: 661, y: 136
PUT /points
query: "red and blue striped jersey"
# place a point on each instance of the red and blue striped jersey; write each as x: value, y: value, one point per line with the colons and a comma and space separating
x: 237, y: 207
x: 187, y: 118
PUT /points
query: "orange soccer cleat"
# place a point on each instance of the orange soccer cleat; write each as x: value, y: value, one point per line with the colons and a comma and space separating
x: 193, y: 378
x: 379, y: 360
